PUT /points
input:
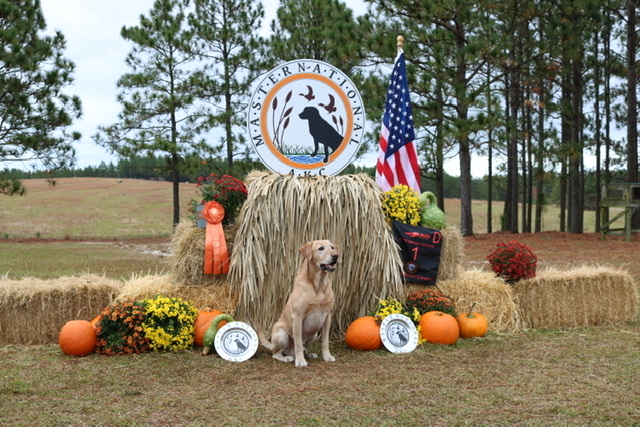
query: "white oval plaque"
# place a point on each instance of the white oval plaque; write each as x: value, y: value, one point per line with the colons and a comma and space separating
x: 236, y: 342
x: 398, y: 333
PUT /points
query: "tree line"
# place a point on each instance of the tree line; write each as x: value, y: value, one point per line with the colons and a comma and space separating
x: 154, y: 168
x: 534, y: 85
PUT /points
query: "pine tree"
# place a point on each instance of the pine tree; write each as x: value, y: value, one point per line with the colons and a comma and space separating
x: 160, y: 114
x: 324, y: 30
x: 447, y: 46
x: 34, y: 112
x: 227, y: 41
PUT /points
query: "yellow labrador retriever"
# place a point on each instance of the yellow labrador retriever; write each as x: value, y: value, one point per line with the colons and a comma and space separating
x: 308, y: 309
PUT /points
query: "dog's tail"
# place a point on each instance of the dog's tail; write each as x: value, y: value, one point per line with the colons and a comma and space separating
x: 263, y: 339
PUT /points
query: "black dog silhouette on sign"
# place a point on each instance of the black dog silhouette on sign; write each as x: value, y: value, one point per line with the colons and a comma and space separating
x: 322, y: 132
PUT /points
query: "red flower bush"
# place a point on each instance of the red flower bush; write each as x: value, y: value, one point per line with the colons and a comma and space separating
x: 430, y: 299
x: 230, y: 192
x: 513, y: 261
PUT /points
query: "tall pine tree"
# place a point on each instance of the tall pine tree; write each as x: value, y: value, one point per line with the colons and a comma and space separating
x: 226, y: 34
x: 160, y: 114
x: 35, y: 113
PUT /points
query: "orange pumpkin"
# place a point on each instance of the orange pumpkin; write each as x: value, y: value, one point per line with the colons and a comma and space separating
x: 77, y: 338
x: 202, y: 324
x: 439, y: 328
x: 94, y: 321
x: 472, y: 325
x: 363, y: 334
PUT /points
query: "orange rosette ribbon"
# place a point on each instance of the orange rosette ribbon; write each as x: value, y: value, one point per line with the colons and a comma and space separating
x: 216, y: 255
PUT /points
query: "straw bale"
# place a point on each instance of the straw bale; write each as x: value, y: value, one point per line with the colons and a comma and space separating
x: 32, y: 311
x: 214, y: 297
x: 451, y: 254
x: 281, y: 213
x: 583, y: 296
x: 187, y: 250
x: 491, y: 295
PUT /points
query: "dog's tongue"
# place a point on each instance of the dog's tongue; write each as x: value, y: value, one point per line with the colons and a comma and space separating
x: 328, y: 267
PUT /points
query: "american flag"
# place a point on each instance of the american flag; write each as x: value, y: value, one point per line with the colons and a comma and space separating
x: 398, y: 156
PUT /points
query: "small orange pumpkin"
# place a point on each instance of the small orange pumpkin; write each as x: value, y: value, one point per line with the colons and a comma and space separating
x: 202, y: 324
x: 363, y: 334
x: 472, y: 324
x: 439, y: 328
x: 77, y: 338
x: 95, y: 320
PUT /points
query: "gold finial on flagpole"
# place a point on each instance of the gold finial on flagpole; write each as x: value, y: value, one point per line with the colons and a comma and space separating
x: 400, y: 40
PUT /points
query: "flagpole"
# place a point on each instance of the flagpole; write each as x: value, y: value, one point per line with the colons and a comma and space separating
x: 400, y: 42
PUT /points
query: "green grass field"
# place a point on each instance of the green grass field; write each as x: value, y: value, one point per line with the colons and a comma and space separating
x: 122, y: 224
x: 92, y: 208
x: 109, y: 208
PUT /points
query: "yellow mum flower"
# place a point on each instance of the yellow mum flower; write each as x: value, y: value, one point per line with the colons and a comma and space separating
x: 169, y: 323
x: 401, y: 203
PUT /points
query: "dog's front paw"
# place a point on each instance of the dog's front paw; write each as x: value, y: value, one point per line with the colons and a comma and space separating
x: 301, y: 363
x: 329, y: 358
x: 283, y: 358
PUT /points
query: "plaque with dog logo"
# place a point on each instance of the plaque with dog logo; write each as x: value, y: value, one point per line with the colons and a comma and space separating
x: 236, y: 342
x: 306, y: 117
x: 398, y: 333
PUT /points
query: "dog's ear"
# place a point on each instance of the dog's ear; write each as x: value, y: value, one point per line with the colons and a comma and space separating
x: 307, y: 250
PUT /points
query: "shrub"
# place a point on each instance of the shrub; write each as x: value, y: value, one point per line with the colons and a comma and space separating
x: 513, y: 261
x: 430, y: 299
x: 119, y: 329
x: 230, y: 192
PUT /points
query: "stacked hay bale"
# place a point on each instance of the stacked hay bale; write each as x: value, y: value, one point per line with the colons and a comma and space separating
x: 282, y: 212
x: 583, y: 296
x: 491, y: 295
x: 215, y: 296
x: 451, y: 254
x: 186, y: 279
x: 187, y: 250
x: 34, y: 310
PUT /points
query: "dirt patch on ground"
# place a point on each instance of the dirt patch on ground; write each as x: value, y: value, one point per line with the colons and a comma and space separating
x: 561, y: 250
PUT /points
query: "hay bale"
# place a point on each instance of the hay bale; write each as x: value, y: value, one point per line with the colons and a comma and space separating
x: 214, y: 297
x: 451, y: 253
x: 147, y: 286
x: 583, y: 296
x: 492, y: 296
x: 187, y: 255
x: 281, y: 213
x: 32, y: 311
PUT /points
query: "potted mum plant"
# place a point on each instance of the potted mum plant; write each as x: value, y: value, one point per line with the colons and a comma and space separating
x: 513, y: 261
x: 230, y: 192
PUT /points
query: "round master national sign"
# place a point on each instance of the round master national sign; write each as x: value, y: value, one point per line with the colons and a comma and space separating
x: 306, y: 118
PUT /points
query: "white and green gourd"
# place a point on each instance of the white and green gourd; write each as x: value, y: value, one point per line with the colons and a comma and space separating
x: 210, y: 336
x: 431, y: 215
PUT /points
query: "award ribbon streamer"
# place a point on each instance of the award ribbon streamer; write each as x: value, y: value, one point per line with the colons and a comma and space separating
x: 216, y: 255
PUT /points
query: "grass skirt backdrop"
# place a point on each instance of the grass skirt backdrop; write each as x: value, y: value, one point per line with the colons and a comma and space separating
x: 283, y: 212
